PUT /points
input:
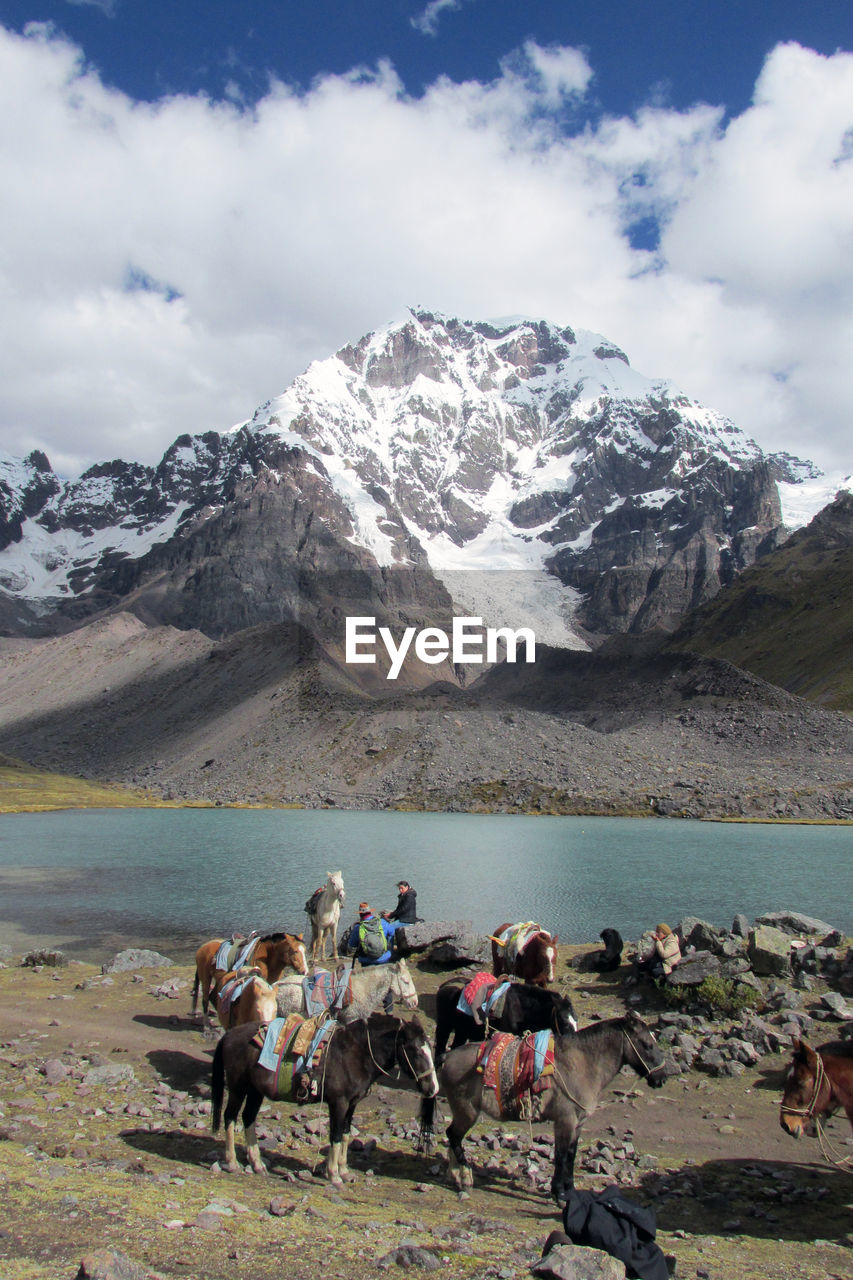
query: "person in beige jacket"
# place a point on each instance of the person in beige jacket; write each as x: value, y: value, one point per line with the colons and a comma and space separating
x: 665, y: 956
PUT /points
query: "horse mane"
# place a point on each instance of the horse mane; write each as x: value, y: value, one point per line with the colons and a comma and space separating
x: 836, y: 1049
x: 599, y: 1030
x: 272, y: 937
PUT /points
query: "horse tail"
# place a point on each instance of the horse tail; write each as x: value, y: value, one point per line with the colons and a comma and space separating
x: 196, y: 986
x: 427, y: 1123
x: 218, y: 1086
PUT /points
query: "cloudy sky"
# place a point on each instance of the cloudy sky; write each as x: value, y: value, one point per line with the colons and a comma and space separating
x: 200, y: 198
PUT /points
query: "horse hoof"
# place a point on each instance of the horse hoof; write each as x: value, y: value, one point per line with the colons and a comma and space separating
x: 231, y: 1166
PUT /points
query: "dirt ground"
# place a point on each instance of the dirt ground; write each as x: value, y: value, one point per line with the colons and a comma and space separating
x: 126, y: 1164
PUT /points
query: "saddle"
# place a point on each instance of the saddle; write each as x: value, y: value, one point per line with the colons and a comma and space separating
x: 231, y: 990
x: 236, y: 952
x: 325, y: 990
x: 293, y: 1048
x: 483, y: 998
x: 517, y: 1069
x: 515, y: 938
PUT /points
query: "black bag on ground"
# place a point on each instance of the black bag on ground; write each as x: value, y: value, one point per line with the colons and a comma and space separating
x: 610, y: 1221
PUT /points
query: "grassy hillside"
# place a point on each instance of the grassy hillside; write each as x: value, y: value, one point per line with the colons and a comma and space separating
x: 789, y: 618
x: 25, y: 789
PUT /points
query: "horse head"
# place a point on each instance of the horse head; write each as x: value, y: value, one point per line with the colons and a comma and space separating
x: 802, y: 1087
x: 402, y: 986
x: 641, y: 1051
x: 565, y: 1021
x: 335, y: 882
x: 414, y: 1056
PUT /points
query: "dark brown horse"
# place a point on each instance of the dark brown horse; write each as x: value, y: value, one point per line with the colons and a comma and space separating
x: 523, y: 1008
x: 584, y: 1064
x: 819, y: 1083
x: 356, y: 1056
x: 525, y: 950
x: 272, y: 954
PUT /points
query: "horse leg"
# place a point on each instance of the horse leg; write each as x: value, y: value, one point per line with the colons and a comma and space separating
x: 459, y: 1171
x: 236, y: 1097
x: 250, y: 1115
x: 566, y: 1135
x: 340, y: 1123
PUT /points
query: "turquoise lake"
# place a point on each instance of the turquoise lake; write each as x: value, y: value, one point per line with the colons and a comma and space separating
x: 96, y: 880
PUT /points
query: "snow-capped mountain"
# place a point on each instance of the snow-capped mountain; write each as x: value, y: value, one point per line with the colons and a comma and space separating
x: 517, y: 470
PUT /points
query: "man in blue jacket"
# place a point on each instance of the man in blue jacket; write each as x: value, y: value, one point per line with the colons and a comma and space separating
x: 364, y: 941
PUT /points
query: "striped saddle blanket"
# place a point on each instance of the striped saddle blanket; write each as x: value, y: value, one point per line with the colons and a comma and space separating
x: 232, y: 989
x: 515, y: 938
x: 515, y: 1067
x: 292, y: 1046
x: 483, y: 997
x: 235, y: 954
x: 327, y: 990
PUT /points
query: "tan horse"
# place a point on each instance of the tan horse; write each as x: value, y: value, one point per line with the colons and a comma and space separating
x: 272, y: 954
x: 243, y: 996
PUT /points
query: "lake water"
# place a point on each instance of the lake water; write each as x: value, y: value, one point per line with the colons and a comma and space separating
x: 94, y: 881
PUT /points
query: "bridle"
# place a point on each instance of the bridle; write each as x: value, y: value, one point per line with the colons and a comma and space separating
x: 417, y: 1076
x: 820, y: 1077
x: 648, y: 1070
x: 811, y: 1113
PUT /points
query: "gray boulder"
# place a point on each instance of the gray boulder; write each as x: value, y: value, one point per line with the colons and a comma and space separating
x: 693, y: 969
x: 699, y: 934
x: 466, y: 948
x: 769, y: 951
x: 794, y: 922
x: 578, y: 1262
x: 740, y: 925
x: 133, y: 958
x: 417, y: 937
x: 105, y: 1264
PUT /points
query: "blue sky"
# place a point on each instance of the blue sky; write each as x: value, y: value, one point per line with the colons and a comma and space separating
x: 202, y: 197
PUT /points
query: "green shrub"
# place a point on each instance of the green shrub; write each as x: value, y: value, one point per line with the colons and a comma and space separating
x: 722, y: 995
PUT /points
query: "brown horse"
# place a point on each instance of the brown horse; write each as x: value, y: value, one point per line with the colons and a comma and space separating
x: 584, y: 1064
x: 525, y: 950
x: 271, y: 955
x: 819, y: 1083
x: 243, y: 996
x: 356, y: 1056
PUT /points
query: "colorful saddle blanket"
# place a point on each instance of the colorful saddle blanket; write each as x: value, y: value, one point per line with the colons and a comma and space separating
x: 483, y: 997
x: 231, y: 990
x: 236, y: 954
x: 327, y: 990
x: 291, y: 1046
x: 515, y: 938
x: 515, y: 1067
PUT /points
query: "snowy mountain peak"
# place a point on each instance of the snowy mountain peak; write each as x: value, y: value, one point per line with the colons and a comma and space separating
x: 526, y: 465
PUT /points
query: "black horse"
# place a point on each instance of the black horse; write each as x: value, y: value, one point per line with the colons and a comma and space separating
x: 525, y: 1008
x: 357, y: 1054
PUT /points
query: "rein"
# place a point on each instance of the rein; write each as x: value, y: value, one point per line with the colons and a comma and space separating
x: 648, y: 1070
x: 819, y: 1077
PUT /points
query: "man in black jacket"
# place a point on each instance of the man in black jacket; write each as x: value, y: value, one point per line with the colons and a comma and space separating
x: 406, y: 910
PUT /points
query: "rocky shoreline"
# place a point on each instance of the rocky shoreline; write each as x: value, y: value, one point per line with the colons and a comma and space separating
x: 105, y: 1110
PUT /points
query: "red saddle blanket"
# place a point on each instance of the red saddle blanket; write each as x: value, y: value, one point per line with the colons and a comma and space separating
x: 515, y: 1067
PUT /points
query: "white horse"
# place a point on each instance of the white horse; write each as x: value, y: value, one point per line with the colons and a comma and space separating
x: 325, y: 916
x: 368, y: 987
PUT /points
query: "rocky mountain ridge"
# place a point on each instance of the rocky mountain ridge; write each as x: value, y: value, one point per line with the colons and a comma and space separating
x: 516, y: 470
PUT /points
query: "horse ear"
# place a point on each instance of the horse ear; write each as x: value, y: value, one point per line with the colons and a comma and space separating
x: 555, y: 938
x: 300, y: 937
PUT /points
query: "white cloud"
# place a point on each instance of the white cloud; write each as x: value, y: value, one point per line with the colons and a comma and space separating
x: 427, y: 21
x: 166, y: 267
